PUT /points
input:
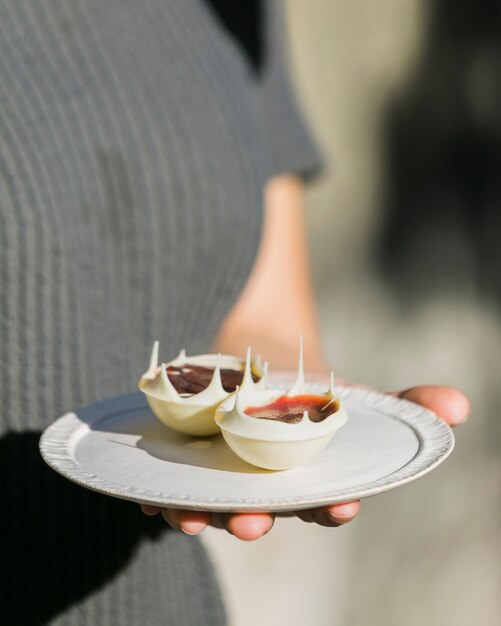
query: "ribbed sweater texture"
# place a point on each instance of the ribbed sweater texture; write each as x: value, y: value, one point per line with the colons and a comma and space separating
x: 135, y: 141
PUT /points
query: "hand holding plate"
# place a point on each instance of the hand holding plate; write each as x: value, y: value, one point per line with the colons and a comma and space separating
x: 448, y: 403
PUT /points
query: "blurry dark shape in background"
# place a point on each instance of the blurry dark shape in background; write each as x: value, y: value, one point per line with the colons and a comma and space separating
x: 441, y: 203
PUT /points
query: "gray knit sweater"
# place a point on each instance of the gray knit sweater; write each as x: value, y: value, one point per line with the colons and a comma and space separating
x: 135, y: 140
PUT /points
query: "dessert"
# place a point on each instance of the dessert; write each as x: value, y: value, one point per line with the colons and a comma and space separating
x: 273, y: 429
x: 185, y: 392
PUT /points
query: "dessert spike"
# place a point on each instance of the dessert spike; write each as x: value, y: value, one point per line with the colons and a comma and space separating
x: 247, y: 381
x: 299, y: 386
x: 181, y: 355
x: 166, y: 389
x: 215, y: 386
x: 238, y: 400
x: 152, y: 370
x: 331, y: 385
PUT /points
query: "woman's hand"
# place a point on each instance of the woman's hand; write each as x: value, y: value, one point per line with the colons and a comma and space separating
x: 448, y: 403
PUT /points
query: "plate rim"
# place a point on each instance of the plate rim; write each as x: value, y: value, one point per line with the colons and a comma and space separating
x: 436, y: 442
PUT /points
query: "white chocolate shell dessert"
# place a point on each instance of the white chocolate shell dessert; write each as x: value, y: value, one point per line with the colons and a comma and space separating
x: 277, y: 430
x: 185, y: 392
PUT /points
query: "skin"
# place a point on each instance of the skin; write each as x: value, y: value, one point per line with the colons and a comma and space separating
x: 280, y: 281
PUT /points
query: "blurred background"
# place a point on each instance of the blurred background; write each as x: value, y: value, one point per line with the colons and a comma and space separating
x: 405, y: 98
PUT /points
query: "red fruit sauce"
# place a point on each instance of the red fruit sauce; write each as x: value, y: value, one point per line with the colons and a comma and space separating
x: 188, y: 378
x: 291, y: 410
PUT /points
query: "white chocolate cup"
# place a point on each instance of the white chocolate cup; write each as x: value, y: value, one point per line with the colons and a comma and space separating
x: 274, y: 444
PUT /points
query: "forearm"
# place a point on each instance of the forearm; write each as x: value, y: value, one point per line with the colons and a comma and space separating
x: 277, y: 305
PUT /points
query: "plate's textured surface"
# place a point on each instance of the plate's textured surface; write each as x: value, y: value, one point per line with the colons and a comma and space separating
x: 119, y: 448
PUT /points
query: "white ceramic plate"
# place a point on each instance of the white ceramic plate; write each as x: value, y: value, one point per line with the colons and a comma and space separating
x: 119, y: 448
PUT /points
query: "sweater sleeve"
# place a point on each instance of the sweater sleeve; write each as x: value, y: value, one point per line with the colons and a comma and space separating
x: 290, y: 144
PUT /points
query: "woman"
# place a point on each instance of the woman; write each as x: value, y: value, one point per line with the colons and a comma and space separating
x: 137, y: 140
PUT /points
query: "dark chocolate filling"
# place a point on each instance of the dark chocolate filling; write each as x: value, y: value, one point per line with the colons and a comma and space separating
x: 189, y: 378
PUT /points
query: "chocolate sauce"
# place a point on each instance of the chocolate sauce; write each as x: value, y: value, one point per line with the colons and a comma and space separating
x: 291, y: 410
x: 189, y: 378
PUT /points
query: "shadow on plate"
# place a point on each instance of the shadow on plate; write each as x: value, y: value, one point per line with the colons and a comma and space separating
x: 166, y: 444
x: 209, y: 452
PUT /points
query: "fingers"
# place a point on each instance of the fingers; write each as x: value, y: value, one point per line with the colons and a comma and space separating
x: 338, y: 514
x: 244, y: 526
x: 448, y: 403
x: 250, y: 526
x: 189, y: 522
x: 332, y: 515
x: 148, y: 509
